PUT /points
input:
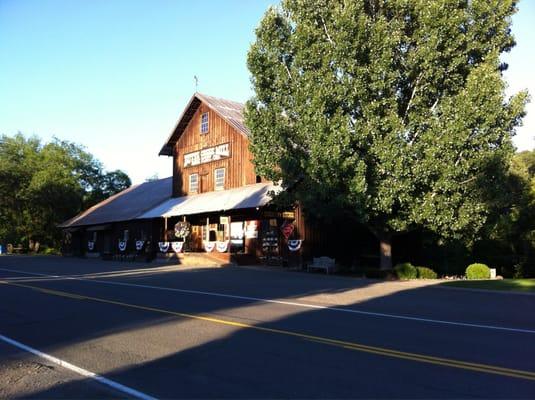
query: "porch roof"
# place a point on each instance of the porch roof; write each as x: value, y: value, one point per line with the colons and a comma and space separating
x: 249, y: 196
x: 125, y: 205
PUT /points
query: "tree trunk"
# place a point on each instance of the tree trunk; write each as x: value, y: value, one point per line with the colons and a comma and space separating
x: 385, y: 244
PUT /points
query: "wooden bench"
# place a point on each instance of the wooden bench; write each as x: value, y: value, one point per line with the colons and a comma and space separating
x: 14, y: 249
x: 324, y: 263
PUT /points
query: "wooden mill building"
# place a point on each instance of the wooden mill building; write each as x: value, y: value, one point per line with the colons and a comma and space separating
x: 214, y: 202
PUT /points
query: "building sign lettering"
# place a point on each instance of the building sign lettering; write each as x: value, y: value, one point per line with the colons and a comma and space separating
x: 207, y: 155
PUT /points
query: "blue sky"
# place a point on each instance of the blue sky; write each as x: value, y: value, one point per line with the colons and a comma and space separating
x: 114, y: 75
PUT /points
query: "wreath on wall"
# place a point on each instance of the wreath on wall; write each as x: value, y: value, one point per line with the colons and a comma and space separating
x: 182, y: 229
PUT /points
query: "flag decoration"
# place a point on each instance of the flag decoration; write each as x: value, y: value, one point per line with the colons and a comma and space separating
x: 209, y: 246
x: 287, y: 229
x: 164, y: 246
x: 177, y: 246
x: 139, y: 244
x: 221, y: 246
x: 90, y: 245
x: 122, y: 245
x: 294, y: 245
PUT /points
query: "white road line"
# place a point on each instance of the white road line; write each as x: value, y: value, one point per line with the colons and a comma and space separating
x: 289, y: 303
x: 85, y: 373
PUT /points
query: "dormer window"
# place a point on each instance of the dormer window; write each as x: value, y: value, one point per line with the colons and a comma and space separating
x: 204, y: 123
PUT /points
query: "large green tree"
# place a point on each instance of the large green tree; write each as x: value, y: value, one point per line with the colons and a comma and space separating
x: 514, y: 229
x: 391, y: 113
x: 42, y: 185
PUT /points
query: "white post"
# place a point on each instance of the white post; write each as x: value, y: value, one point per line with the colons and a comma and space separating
x: 165, y: 229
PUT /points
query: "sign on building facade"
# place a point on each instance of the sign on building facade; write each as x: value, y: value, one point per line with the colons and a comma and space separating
x: 207, y: 155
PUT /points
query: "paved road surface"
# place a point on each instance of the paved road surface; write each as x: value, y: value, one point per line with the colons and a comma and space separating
x: 177, y: 332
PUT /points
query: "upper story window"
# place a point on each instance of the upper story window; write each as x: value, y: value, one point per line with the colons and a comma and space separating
x: 219, y: 178
x: 193, y: 183
x: 204, y: 122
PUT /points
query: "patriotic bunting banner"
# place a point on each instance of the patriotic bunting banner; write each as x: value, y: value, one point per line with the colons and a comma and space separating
x: 177, y: 246
x: 209, y: 246
x: 139, y: 244
x: 164, y: 246
x: 222, y: 246
x: 90, y: 245
x: 122, y: 245
x: 294, y: 245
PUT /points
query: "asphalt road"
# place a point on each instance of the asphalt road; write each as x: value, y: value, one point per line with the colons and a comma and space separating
x: 238, y: 332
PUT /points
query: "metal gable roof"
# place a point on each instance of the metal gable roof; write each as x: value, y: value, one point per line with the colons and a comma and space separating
x: 230, y: 111
x: 125, y: 205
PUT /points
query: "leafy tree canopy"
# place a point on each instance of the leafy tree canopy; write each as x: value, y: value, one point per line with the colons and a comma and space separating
x: 515, y: 228
x: 42, y: 185
x: 392, y: 113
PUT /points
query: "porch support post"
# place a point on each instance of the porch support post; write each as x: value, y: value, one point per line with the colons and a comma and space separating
x: 165, y: 229
x: 228, y: 232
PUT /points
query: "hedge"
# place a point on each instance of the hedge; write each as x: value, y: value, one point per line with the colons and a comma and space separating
x: 406, y: 271
x: 477, y: 271
x: 426, y: 273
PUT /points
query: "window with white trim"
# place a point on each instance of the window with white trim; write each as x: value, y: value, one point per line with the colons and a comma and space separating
x: 219, y: 178
x: 194, y: 183
x: 204, y: 122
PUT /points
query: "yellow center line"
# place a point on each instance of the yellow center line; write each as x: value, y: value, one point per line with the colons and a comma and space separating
x: 486, y: 368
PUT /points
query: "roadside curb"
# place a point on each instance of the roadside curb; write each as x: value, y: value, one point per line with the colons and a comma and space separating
x: 489, y: 291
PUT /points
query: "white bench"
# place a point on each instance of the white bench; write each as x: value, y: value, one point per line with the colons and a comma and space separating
x: 325, y: 263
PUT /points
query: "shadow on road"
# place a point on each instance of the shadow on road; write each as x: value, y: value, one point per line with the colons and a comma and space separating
x: 272, y: 354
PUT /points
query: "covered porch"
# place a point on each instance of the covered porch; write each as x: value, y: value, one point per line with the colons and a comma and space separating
x: 236, y: 224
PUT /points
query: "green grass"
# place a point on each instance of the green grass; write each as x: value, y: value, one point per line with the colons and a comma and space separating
x: 520, y: 285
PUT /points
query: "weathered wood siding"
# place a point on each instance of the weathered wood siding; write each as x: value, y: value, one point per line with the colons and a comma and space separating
x: 239, y: 167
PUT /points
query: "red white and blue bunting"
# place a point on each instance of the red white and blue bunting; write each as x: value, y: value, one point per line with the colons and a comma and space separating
x: 139, y: 244
x: 294, y: 245
x: 122, y: 245
x: 164, y: 246
x: 209, y: 246
x: 90, y: 245
x: 221, y: 246
x: 177, y: 246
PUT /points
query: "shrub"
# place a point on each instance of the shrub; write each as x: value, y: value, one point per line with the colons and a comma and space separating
x: 375, y: 273
x: 523, y: 270
x: 426, y: 273
x: 51, y: 251
x: 406, y: 271
x: 477, y: 271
